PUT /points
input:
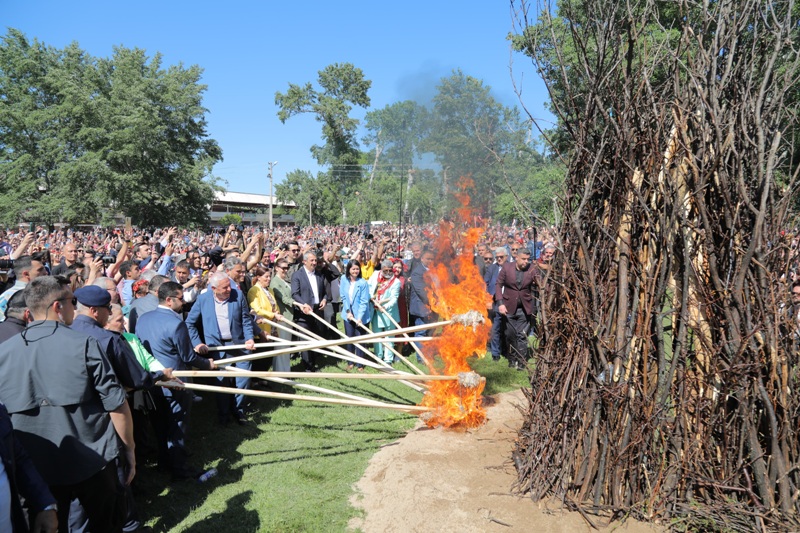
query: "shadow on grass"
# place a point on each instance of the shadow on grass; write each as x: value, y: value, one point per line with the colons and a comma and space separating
x: 164, y: 503
x: 235, y: 517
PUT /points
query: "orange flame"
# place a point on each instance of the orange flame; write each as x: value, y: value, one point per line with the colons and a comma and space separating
x: 455, y: 288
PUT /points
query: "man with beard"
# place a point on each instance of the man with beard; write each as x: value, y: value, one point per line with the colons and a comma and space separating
x: 514, y: 290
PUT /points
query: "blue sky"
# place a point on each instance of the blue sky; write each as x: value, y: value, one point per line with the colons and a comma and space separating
x: 249, y: 50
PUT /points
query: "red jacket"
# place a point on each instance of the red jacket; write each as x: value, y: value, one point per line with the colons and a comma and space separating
x: 511, y: 294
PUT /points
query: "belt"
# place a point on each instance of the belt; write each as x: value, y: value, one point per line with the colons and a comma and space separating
x: 226, y: 340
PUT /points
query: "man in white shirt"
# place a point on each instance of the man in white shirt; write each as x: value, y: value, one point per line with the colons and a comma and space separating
x: 308, y: 293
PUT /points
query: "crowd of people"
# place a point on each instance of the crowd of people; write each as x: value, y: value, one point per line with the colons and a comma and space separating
x: 96, y: 321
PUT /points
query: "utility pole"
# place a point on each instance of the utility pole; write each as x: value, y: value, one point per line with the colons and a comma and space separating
x: 271, y: 198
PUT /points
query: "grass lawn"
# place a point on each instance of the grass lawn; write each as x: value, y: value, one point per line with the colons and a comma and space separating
x: 292, y: 468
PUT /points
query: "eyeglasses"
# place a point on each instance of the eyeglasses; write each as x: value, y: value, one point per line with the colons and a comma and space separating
x: 501, y: 256
x: 178, y: 297
x: 74, y: 300
x: 294, y: 250
x: 795, y: 293
x: 488, y: 258
x: 282, y: 268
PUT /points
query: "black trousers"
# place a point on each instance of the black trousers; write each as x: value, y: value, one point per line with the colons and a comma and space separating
x: 312, y: 324
x: 102, y: 498
x: 518, y: 325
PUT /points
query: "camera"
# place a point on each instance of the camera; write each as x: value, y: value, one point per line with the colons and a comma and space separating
x: 283, y: 247
x: 6, y: 264
x: 108, y: 260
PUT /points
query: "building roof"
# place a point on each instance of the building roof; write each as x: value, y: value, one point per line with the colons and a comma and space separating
x: 230, y: 197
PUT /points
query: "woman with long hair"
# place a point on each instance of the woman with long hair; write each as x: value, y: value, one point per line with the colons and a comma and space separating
x: 264, y: 307
x: 356, y: 306
x: 282, y: 290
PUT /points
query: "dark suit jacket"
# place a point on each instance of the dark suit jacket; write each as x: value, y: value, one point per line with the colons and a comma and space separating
x: 23, y: 477
x: 510, y: 293
x: 127, y: 368
x: 301, y: 288
x: 418, y: 304
x: 490, y: 277
x: 166, y: 336
x: 140, y: 306
x: 202, y: 320
x: 11, y: 327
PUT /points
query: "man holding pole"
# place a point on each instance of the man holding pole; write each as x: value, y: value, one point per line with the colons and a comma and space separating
x: 165, y: 335
x: 308, y: 293
x: 221, y: 317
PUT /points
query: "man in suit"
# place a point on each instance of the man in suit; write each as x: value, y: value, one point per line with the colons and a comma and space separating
x: 419, y: 309
x: 165, y: 335
x: 221, y: 317
x: 145, y: 304
x: 308, y: 290
x: 490, y: 277
x: 514, y: 295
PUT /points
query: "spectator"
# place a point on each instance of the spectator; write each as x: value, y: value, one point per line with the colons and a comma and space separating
x: 26, y: 269
x: 385, y: 290
x: 221, y: 317
x: 308, y: 293
x: 356, y: 305
x: 17, y: 317
x: 69, y: 410
x: 165, y: 335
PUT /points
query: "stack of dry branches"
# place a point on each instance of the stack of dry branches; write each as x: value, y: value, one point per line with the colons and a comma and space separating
x: 666, y: 385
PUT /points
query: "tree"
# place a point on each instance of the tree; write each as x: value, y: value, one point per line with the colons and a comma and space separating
x: 82, y: 138
x: 471, y: 134
x: 230, y: 218
x: 313, y: 198
x: 341, y: 86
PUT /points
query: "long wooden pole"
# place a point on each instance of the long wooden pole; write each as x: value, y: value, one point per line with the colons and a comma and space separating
x: 310, y: 346
x: 329, y: 326
x: 303, y: 332
x: 398, y: 354
x: 233, y: 371
x: 350, y: 357
x: 257, y: 345
x: 283, y: 396
x: 416, y: 348
x: 346, y: 356
x: 313, y: 375
x: 383, y: 336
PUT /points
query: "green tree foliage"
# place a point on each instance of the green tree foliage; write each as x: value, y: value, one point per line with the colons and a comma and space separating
x: 230, y: 218
x: 396, y: 131
x: 472, y: 134
x: 316, y: 202
x: 82, y: 138
x: 341, y: 86
x: 416, y: 154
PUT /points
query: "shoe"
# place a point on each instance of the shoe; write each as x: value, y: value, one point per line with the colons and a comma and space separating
x: 197, y: 399
x: 187, y: 473
x: 496, y: 359
x: 240, y: 417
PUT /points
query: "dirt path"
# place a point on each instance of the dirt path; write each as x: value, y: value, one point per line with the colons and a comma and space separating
x: 440, y: 480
